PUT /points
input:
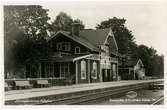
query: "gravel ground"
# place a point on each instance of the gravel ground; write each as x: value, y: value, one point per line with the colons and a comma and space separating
x: 143, y: 97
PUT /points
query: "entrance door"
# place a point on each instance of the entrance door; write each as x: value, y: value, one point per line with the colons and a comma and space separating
x: 104, y: 75
x: 109, y: 75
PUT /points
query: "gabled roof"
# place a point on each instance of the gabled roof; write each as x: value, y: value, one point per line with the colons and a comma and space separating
x: 80, y: 40
x: 132, y: 62
x: 90, y: 38
x: 96, y: 37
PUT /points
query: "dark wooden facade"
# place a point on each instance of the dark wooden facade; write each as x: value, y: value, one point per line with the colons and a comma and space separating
x: 74, y: 58
x: 132, y: 69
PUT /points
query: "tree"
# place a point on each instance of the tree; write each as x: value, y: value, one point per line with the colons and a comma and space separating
x: 153, y: 63
x: 82, y: 26
x: 25, y: 33
x: 123, y: 36
x: 148, y: 57
x: 33, y: 19
x: 159, y: 66
x: 64, y: 22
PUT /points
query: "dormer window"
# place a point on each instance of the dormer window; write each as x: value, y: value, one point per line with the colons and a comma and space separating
x: 77, y: 50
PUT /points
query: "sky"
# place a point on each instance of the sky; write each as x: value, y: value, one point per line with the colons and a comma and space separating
x: 146, y: 20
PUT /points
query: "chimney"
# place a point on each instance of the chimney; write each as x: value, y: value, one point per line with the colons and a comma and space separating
x: 75, y: 29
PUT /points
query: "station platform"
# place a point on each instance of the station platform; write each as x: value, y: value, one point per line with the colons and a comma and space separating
x: 56, y: 90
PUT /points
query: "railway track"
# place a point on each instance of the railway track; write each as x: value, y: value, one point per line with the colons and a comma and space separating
x: 90, y: 97
x: 158, y: 101
x: 83, y: 97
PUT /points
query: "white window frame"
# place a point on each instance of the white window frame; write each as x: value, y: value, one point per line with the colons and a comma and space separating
x: 76, y: 49
x: 94, y: 69
x: 114, y: 69
x: 83, y: 69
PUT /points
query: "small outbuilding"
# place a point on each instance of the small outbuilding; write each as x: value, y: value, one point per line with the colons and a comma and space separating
x: 131, y: 69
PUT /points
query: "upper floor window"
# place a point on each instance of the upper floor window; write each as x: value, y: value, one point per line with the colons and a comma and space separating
x: 83, y: 69
x: 58, y: 46
x: 77, y: 49
x: 51, y: 44
x: 107, y: 50
x: 66, y: 46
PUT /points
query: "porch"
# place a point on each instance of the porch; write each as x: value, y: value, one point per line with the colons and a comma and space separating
x: 127, y: 73
x: 58, y: 71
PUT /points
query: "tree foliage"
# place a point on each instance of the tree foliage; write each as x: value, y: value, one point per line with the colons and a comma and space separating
x: 25, y: 33
x: 147, y: 55
x: 63, y: 21
x: 153, y: 63
x: 26, y: 30
x: 123, y: 36
x: 33, y: 20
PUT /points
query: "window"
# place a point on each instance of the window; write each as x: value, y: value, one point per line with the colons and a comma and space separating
x: 59, y: 46
x: 28, y: 70
x: 106, y: 75
x: 49, y: 70
x: 114, y: 70
x: 94, y: 71
x: 34, y: 71
x: 64, y: 70
x: 83, y: 69
x: 66, y: 46
x: 46, y: 70
x: 63, y: 46
x: 56, y: 70
x: 107, y: 50
x: 51, y: 44
x: 77, y: 49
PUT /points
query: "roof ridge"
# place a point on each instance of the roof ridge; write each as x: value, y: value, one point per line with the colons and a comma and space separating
x: 85, y: 39
x: 93, y: 29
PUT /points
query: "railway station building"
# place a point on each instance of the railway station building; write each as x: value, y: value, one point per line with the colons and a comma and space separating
x: 79, y: 56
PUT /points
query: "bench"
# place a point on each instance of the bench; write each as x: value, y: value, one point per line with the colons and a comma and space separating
x: 43, y: 83
x: 7, y: 87
x: 68, y: 82
x: 22, y: 84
